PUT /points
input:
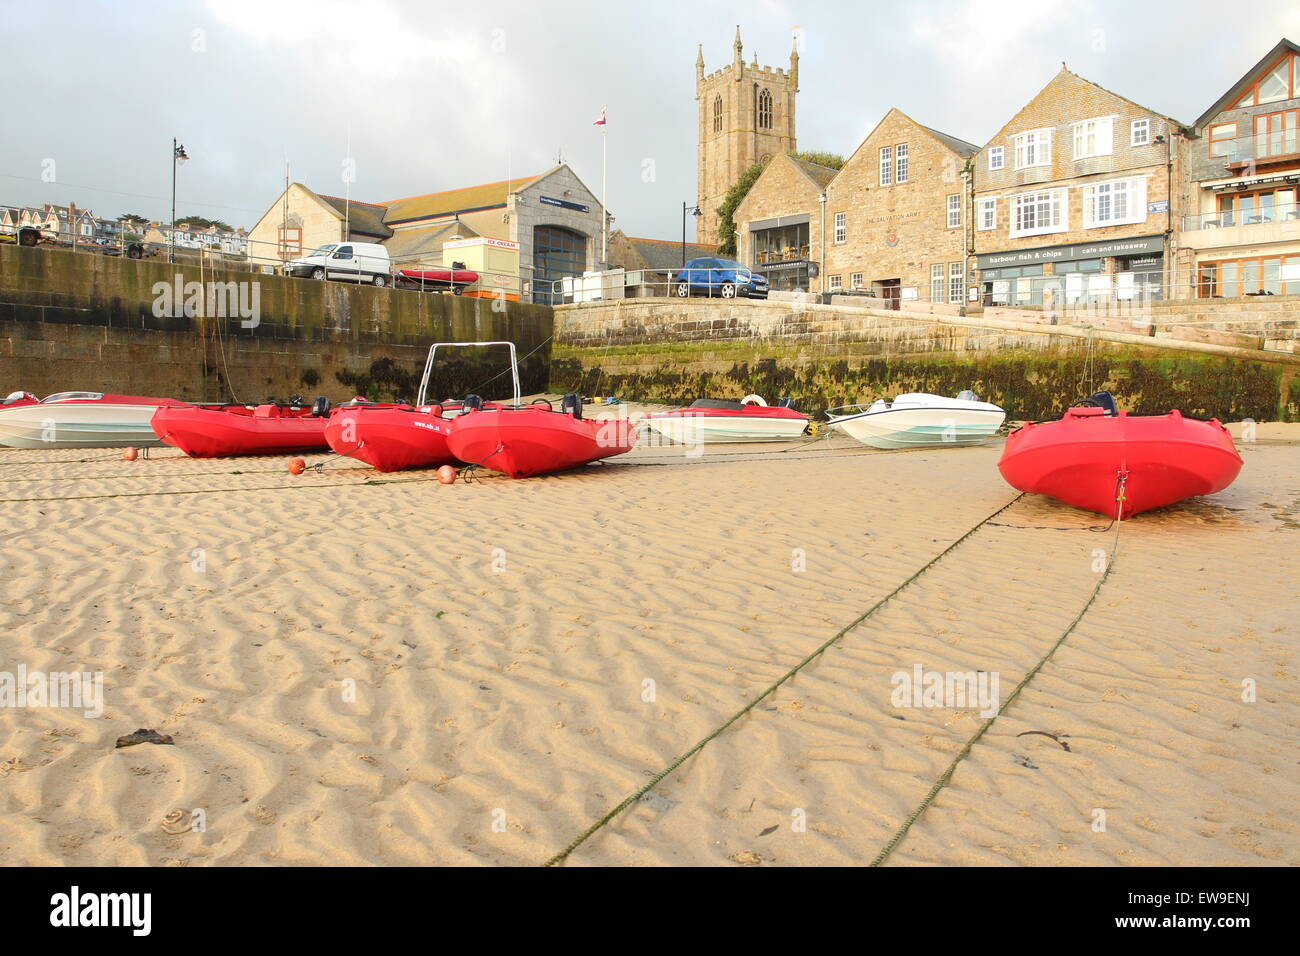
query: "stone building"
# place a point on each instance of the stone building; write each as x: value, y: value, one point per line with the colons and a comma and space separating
x: 1241, y: 224
x: 746, y: 113
x: 553, y: 218
x: 896, y: 215
x: 1074, y: 200
x: 780, y: 223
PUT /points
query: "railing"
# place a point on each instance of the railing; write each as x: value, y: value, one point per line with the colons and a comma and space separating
x: 1257, y: 147
x: 1283, y: 212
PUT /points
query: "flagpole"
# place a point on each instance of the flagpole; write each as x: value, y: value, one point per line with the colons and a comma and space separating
x: 604, y: 191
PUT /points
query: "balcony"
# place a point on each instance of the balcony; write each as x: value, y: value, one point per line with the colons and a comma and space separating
x: 1262, y: 224
x: 1278, y: 147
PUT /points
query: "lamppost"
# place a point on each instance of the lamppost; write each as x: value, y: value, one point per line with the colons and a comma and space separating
x: 694, y: 211
x: 178, y: 156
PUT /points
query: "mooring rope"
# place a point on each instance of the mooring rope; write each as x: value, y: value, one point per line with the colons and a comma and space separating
x: 700, y: 745
x: 946, y: 776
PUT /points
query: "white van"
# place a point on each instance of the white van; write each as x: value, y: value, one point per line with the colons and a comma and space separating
x: 351, y: 261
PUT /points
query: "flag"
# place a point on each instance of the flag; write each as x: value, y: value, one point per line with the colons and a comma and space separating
x: 601, y: 121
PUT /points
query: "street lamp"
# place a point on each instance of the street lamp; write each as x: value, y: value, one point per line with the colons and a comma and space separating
x: 178, y: 156
x: 694, y: 211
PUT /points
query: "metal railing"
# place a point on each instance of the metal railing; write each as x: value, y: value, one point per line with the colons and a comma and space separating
x: 1259, y: 215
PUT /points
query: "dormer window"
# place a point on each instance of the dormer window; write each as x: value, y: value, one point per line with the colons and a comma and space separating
x: 1093, y: 137
x: 1033, y: 148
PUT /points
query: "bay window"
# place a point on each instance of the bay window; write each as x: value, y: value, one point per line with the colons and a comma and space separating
x: 1039, y: 213
x: 1114, y: 203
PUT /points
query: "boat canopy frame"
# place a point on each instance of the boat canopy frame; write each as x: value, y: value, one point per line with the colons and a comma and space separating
x: 433, y: 350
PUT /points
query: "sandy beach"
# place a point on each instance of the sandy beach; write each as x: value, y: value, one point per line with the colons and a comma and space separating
x: 368, y: 669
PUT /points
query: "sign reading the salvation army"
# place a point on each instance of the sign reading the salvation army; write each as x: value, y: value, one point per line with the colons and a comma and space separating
x: 563, y: 203
x: 1084, y: 250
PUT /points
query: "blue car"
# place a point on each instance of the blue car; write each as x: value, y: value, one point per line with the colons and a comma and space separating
x: 724, y: 278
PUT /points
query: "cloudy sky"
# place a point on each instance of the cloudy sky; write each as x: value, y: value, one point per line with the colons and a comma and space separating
x: 431, y: 95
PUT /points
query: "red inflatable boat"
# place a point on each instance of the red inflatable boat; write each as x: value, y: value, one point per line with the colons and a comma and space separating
x: 221, y: 431
x: 1082, y: 458
x: 436, y: 279
x: 392, y: 437
x: 522, y: 441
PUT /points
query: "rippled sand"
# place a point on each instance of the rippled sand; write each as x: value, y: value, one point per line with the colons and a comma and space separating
x: 404, y: 672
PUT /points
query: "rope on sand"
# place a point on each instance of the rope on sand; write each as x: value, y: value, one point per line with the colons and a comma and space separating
x: 655, y: 780
x: 946, y: 776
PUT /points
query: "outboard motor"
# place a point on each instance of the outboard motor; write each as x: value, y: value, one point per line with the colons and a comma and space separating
x: 320, y: 408
x: 966, y: 395
x: 471, y: 403
x: 1103, y: 400
x: 572, y: 403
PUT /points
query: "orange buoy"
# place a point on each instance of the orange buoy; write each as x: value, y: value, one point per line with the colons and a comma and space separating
x: 130, y: 453
x: 297, y: 466
x: 446, y: 475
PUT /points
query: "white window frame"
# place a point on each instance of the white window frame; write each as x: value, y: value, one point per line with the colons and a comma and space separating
x: 900, y: 163
x: 986, y: 215
x: 836, y: 283
x: 855, y: 280
x: 1102, y: 131
x: 1145, y: 126
x: 998, y: 153
x: 954, y: 211
x: 956, y: 282
x: 1060, y: 202
x: 841, y: 228
x: 1036, y: 143
x: 886, y: 165
x: 937, y: 281
x: 1135, y: 199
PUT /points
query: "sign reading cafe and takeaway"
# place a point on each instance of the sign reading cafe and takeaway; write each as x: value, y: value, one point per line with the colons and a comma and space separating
x: 1144, y: 245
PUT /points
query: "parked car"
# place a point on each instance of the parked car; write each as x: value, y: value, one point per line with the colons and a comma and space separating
x: 719, y: 277
x: 350, y: 261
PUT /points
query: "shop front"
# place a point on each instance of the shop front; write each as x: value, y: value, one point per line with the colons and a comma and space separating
x: 1076, y: 275
x: 779, y: 249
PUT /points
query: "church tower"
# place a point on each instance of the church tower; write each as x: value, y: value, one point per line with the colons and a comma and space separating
x: 746, y: 113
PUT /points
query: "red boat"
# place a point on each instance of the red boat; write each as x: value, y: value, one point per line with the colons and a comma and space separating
x: 221, y: 431
x: 528, y: 440
x: 1097, y: 458
x: 454, y: 279
x: 391, y: 437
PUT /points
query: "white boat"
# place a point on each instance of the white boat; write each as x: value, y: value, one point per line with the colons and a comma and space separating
x: 918, y: 419
x: 714, y: 420
x: 80, y: 420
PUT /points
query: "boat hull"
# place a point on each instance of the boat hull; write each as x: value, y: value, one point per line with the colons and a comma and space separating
x: 921, y: 427
x: 81, y: 424
x: 523, y: 442
x: 220, y: 431
x: 689, y: 426
x: 391, y: 437
x: 1078, y: 460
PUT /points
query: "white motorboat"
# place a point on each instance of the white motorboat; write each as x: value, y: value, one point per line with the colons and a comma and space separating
x: 715, y: 420
x: 918, y: 419
x: 80, y: 420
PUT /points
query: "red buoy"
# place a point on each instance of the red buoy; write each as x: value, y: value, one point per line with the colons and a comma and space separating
x: 446, y: 475
x: 130, y: 453
x: 297, y: 466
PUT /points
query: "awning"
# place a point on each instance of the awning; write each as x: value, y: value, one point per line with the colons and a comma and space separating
x: 758, y: 225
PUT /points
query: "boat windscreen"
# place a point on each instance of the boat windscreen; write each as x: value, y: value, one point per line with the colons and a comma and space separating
x: 73, y: 396
x: 716, y: 403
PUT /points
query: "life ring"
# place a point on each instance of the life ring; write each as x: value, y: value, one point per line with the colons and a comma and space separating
x: 753, y: 400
